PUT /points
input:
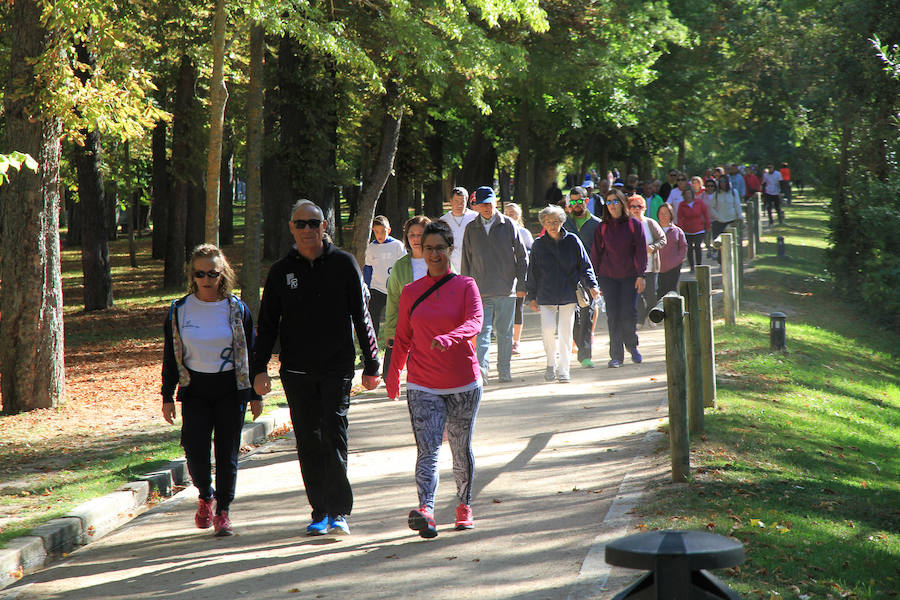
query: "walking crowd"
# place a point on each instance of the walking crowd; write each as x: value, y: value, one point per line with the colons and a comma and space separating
x: 444, y: 292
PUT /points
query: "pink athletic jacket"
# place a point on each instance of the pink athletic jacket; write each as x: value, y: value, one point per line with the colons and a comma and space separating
x: 452, y: 315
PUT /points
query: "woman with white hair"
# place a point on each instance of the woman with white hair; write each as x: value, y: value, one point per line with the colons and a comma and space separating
x: 558, y: 263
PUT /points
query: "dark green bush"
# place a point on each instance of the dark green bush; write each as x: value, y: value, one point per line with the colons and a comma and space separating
x: 864, y: 258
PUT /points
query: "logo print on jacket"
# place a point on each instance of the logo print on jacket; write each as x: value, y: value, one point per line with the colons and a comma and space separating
x: 292, y: 281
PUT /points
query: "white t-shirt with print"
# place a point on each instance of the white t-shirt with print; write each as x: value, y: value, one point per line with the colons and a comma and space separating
x: 206, y: 335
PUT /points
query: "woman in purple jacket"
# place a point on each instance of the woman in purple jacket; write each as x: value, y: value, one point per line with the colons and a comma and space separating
x: 672, y: 254
x: 619, y: 257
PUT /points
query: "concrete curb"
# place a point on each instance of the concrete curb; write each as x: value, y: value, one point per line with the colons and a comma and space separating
x: 92, y: 520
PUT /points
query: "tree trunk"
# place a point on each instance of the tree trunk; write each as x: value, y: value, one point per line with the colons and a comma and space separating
x: 218, y: 95
x: 282, y: 129
x: 397, y: 195
x: 374, y: 183
x: 133, y: 222
x: 173, y: 269
x: 434, y: 187
x: 32, y: 371
x: 505, y: 187
x: 162, y: 189
x: 73, y: 235
x: 324, y: 168
x: 94, y: 233
x: 523, y: 193
x: 480, y: 161
x: 250, y: 272
x: 226, y: 192
x: 134, y: 215
x: 682, y: 152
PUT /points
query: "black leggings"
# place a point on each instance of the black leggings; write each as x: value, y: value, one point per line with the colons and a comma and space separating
x: 211, y: 408
x: 695, y: 250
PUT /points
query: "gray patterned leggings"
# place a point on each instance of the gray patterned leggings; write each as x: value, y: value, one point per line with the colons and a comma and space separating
x: 429, y: 413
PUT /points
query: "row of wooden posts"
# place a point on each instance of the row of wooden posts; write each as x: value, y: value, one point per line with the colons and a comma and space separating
x: 690, y: 343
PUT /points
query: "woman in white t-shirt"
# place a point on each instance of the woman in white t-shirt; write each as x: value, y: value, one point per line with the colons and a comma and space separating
x: 208, y: 342
x: 407, y: 269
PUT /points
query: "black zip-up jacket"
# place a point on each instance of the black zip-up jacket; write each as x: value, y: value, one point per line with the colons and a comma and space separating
x: 314, y: 308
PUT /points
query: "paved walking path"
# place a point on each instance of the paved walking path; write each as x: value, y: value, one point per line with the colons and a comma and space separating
x: 558, y: 466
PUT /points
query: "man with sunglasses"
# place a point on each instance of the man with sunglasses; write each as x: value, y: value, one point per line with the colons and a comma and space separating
x: 313, y: 300
x: 668, y: 184
x: 584, y: 224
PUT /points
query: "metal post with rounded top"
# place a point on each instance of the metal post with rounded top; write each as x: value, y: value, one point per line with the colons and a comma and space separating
x: 777, y: 331
x: 678, y: 563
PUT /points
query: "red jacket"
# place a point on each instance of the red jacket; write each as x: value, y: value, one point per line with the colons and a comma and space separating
x: 752, y: 182
x: 694, y: 218
x: 452, y: 316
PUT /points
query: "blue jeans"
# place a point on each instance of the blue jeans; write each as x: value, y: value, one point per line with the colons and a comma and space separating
x: 498, y: 316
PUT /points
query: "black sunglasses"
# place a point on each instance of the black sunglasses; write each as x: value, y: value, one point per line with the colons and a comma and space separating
x: 210, y: 274
x: 311, y: 223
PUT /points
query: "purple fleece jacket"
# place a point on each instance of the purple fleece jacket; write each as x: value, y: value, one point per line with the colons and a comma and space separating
x: 672, y: 254
x: 620, y: 249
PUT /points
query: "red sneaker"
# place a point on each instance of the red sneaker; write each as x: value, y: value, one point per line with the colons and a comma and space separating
x: 222, y: 524
x: 422, y: 520
x: 464, y: 517
x: 204, y: 516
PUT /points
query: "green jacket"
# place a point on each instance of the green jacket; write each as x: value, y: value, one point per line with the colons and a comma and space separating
x: 401, y: 274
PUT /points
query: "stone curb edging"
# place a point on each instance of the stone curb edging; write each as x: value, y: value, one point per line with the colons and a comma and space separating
x: 92, y: 520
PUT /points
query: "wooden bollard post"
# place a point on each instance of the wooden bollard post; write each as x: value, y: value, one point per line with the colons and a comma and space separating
x: 757, y: 201
x: 679, y: 440
x: 736, y: 264
x: 727, y: 248
x: 694, y: 369
x: 751, y: 227
x: 707, y: 341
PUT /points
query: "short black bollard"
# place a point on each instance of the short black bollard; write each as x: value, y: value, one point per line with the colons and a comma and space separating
x: 781, y: 253
x: 777, y: 332
x: 677, y: 561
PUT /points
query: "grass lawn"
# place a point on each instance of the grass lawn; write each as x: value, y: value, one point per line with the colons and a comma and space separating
x: 800, y: 460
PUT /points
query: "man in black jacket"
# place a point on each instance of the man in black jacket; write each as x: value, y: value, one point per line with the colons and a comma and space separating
x: 313, y: 300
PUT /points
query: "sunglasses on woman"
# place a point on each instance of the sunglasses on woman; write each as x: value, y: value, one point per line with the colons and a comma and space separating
x: 203, y: 274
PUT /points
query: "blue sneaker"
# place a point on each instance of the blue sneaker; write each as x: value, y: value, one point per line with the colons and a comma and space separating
x: 338, y: 525
x: 318, y: 527
x: 614, y: 364
x: 636, y: 357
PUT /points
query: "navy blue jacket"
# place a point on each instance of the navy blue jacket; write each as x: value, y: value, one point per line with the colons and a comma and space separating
x: 554, y: 268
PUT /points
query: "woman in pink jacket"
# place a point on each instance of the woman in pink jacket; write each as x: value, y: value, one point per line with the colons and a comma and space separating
x: 439, y: 317
x: 693, y: 218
